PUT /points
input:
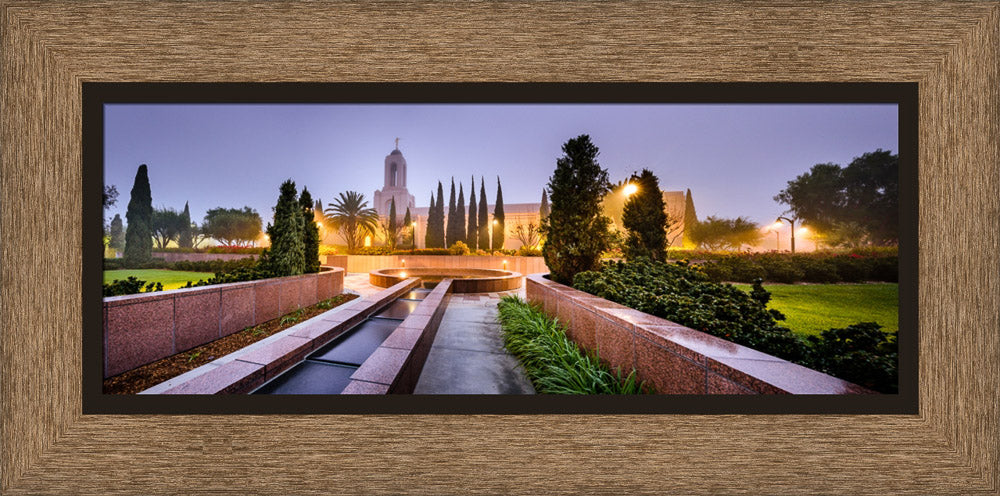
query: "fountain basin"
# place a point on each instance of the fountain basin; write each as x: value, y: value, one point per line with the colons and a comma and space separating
x: 464, y: 280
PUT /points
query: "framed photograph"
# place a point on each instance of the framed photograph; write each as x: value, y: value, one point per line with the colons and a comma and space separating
x: 79, y: 75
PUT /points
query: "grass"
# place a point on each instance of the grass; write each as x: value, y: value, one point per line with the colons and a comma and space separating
x: 171, y: 279
x: 812, y: 308
x: 553, y: 363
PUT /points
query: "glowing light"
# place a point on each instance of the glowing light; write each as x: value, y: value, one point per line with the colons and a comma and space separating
x: 402, y: 274
x: 803, y: 230
x: 495, y: 222
x: 630, y: 188
x: 777, y: 224
x: 403, y: 262
x: 368, y: 241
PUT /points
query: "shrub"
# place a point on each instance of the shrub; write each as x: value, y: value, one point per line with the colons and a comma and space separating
x: 372, y: 250
x: 527, y: 251
x: 554, y: 364
x: 130, y: 285
x: 686, y: 295
x: 860, y: 353
x: 819, y: 270
x: 458, y: 248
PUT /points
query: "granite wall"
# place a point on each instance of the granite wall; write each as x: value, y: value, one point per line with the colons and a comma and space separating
x: 672, y: 358
x: 143, y: 328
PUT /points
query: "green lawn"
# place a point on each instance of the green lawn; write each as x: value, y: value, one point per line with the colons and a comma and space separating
x: 171, y: 279
x: 812, y: 308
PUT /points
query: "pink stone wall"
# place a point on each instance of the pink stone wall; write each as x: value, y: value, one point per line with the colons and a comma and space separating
x: 672, y: 358
x: 143, y: 328
x: 368, y: 263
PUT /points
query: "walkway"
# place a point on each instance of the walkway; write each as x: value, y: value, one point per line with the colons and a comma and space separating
x: 468, y: 356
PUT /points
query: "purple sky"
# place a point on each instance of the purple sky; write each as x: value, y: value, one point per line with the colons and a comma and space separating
x: 734, y: 158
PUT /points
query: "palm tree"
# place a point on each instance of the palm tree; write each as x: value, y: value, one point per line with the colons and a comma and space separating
x: 351, y: 215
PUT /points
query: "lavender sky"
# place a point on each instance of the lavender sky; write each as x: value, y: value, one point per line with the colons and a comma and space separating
x: 734, y: 158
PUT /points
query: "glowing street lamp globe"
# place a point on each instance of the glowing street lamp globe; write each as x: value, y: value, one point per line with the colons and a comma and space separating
x: 630, y: 188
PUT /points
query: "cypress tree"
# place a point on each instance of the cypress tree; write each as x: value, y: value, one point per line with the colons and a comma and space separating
x: 576, y: 232
x: 645, y: 219
x: 287, y: 255
x: 139, y: 233
x: 117, y: 234
x: 499, y: 231
x: 484, y: 219
x: 543, y: 210
x: 409, y: 228
x: 429, y: 232
x: 393, y: 230
x: 184, y: 236
x: 439, y: 237
x: 690, y: 220
x: 460, y: 215
x: 472, y: 232
x: 310, y: 232
x: 451, y: 234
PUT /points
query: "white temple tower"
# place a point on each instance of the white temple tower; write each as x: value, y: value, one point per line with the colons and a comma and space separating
x: 394, y: 186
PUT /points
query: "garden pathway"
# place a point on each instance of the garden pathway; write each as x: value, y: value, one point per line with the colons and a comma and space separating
x: 468, y: 356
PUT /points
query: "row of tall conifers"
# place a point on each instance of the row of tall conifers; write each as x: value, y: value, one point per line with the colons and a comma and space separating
x: 474, y: 229
x: 294, y: 234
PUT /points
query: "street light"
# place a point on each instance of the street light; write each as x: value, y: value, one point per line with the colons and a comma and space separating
x: 777, y: 223
x: 629, y: 189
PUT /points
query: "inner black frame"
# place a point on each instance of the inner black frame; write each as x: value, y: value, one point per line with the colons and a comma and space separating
x: 97, y: 94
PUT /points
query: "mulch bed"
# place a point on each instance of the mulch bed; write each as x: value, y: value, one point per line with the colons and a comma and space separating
x: 151, y: 374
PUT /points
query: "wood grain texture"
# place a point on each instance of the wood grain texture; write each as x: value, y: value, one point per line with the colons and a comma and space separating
x: 49, y: 48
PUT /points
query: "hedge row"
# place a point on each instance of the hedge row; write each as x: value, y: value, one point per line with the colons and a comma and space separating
x: 190, y: 266
x: 253, y: 250
x: 789, y: 268
x: 861, y: 353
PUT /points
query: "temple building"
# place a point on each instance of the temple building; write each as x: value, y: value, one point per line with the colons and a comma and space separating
x: 394, y: 187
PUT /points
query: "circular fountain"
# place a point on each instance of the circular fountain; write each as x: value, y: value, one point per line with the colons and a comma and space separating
x: 464, y: 280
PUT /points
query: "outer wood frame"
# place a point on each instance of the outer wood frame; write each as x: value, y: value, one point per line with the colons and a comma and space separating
x: 951, y: 447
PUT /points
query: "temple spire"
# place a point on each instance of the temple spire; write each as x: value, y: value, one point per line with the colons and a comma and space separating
x: 397, y: 143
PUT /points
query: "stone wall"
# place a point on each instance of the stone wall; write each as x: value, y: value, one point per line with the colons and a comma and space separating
x: 674, y: 359
x: 143, y: 328
x: 368, y: 263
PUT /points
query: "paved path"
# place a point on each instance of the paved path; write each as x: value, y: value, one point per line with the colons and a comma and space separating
x: 358, y: 282
x: 468, y: 356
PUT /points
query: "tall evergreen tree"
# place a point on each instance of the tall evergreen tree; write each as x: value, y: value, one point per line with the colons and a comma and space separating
x: 117, y: 234
x: 429, y: 232
x: 408, y: 227
x: 451, y: 234
x: 287, y: 254
x: 392, y: 226
x: 439, y: 231
x: 310, y: 232
x: 139, y: 233
x: 690, y: 220
x: 576, y: 232
x: 460, y: 215
x: 484, y: 217
x: 543, y: 210
x: 185, y: 236
x: 645, y: 219
x: 499, y: 229
x: 472, y: 232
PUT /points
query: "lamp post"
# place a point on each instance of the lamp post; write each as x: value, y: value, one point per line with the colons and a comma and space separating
x: 792, y: 230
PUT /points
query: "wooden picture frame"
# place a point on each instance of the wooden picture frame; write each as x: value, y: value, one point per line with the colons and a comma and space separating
x: 950, y: 447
